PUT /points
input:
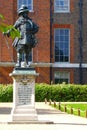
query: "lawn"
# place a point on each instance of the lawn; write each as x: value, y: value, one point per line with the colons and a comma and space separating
x: 75, y: 106
x: 82, y: 107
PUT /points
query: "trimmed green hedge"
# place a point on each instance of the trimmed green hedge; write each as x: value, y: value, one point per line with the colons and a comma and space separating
x: 59, y: 92
x: 6, y: 93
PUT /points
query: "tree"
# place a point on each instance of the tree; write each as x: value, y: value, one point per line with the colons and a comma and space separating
x: 4, y: 28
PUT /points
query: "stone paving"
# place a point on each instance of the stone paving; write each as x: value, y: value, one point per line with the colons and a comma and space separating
x: 61, y: 120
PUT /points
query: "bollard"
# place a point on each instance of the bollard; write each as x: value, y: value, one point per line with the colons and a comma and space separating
x: 50, y: 102
x: 65, y: 109
x: 59, y: 107
x: 78, y: 112
x: 45, y: 101
x: 54, y: 104
x: 71, y: 110
x: 86, y: 113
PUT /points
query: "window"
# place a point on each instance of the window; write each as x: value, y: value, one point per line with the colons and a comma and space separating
x: 61, y: 77
x: 61, y: 6
x: 28, y: 3
x: 61, y: 39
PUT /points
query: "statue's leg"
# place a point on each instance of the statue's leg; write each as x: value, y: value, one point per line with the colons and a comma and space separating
x: 27, y: 52
x: 19, y: 59
x: 19, y: 56
x: 27, y: 58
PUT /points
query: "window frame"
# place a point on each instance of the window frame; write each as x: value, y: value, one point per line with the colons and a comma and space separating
x: 62, y: 11
x: 18, y: 5
x: 68, y: 47
x: 67, y: 75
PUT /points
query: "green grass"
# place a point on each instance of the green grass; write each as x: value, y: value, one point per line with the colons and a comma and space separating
x: 82, y: 107
x: 75, y: 106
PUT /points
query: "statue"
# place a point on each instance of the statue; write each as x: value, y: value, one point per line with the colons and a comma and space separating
x: 27, y: 40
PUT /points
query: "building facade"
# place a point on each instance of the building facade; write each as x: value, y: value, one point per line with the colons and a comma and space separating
x: 61, y: 52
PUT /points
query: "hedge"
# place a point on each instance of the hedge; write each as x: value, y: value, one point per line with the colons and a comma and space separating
x: 58, y: 92
x: 6, y: 93
x: 61, y: 92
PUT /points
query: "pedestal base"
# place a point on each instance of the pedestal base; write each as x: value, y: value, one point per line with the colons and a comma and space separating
x: 24, y: 113
x: 24, y: 95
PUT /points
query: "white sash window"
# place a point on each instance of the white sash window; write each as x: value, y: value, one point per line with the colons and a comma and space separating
x: 61, y: 6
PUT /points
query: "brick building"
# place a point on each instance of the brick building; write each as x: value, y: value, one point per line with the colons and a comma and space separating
x: 61, y: 53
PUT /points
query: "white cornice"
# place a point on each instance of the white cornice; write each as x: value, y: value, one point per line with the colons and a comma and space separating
x: 68, y: 65
x: 59, y: 65
x: 7, y: 64
x: 45, y: 64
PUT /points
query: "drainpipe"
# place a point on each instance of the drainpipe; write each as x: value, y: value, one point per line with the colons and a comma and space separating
x: 80, y: 22
x: 51, y: 56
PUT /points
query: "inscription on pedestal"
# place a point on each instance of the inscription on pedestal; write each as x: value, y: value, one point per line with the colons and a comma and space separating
x: 24, y: 94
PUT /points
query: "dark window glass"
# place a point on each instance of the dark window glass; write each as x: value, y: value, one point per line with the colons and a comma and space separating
x: 61, y: 40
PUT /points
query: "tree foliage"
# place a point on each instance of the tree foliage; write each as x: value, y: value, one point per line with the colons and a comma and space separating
x: 4, y: 28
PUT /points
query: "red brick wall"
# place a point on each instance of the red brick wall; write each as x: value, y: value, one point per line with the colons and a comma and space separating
x: 44, y: 75
x: 42, y: 18
x: 71, y: 5
x: 6, y: 9
x: 41, y: 53
x: 41, y: 15
x: 4, y: 75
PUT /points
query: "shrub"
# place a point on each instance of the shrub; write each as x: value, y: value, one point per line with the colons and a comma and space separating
x: 61, y: 92
x: 6, y: 93
x: 58, y: 92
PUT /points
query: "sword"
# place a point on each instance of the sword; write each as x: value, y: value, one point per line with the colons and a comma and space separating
x: 6, y: 41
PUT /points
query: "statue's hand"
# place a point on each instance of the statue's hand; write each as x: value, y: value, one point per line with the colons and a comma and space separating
x: 6, y: 33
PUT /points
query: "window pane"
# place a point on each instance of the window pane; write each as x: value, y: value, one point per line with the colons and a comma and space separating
x: 67, y: 38
x: 57, y: 58
x: 57, y: 38
x: 66, y: 59
x: 29, y: 1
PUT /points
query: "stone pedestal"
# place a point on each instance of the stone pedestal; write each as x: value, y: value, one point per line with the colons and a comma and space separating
x: 24, y: 95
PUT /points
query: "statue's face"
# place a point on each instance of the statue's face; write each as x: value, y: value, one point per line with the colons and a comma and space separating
x: 23, y: 14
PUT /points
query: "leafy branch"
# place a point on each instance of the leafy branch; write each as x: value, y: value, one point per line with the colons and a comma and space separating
x: 4, y: 28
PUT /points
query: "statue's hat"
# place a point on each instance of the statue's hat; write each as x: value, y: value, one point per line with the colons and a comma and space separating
x: 22, y: 9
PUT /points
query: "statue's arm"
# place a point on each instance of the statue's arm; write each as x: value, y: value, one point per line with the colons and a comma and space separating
x: 35, y: 28
x: 17, y: 24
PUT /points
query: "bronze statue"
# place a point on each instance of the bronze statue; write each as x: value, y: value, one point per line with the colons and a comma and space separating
x: 27, y: 40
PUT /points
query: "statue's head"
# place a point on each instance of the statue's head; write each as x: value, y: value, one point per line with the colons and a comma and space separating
x: 23, y: 9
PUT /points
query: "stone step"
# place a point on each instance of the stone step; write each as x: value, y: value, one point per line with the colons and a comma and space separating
x: 24, y: 117
x: 24, y: 111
